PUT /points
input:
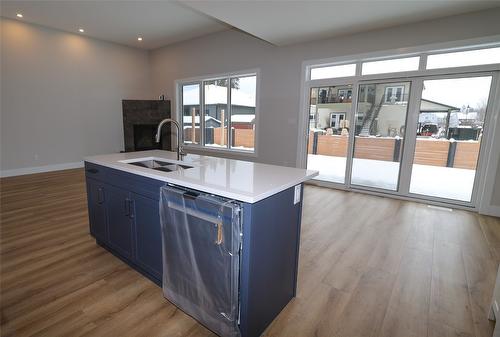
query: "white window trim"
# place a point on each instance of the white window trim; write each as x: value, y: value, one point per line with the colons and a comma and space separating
x: 201, y: 148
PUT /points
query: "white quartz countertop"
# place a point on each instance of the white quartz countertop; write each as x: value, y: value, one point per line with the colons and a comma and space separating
x: 235, y: 179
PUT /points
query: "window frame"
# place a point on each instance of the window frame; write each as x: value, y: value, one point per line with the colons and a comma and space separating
x: 200, y: 80
x: 486, y: 166
x: 423, y: 52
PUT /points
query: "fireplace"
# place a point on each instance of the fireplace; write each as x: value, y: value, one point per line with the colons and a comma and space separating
x: 140, y: 120
x: 144, y: 137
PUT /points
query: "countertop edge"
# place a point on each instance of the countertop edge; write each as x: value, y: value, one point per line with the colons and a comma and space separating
x: 204, y: 188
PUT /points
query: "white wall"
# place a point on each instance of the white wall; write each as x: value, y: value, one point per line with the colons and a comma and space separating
x: 61, y: 96
x: 281, y: 67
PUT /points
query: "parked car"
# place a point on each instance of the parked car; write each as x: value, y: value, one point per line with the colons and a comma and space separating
x: 428, y: 130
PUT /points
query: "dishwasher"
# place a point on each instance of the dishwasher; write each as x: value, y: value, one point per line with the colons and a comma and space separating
x: 201, y: 239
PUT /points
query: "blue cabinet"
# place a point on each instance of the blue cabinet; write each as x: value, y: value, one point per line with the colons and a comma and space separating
x: 124, y: 218
x: 119, y: 221
x: 96, y: 198
x: 145, y: 214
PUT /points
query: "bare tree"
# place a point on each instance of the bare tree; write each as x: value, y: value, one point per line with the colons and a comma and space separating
x: 481, y: 110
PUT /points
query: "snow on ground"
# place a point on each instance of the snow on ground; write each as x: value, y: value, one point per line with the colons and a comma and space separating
x: 443, y: 182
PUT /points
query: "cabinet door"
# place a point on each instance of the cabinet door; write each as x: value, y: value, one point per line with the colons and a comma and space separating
x: 119, y: 223
x: 97, y: 209
x: 148, y: 250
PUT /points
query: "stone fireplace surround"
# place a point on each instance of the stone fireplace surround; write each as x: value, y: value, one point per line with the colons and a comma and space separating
x: 143, y: 115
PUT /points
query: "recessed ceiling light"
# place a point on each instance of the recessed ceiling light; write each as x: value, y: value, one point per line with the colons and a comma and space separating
x: 81, y: 30
x: 19, y: 15
x: 139, y: 38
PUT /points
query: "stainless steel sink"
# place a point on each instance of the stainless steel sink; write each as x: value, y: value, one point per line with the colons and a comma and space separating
x: 171, y: 167
x: 160, y: 165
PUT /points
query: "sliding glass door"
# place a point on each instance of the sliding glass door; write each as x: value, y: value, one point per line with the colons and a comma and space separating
x: 329, y: 114
x: 411, y: 124
x: 380, y: 123
x: 368, y: 146
x: 450, y: 128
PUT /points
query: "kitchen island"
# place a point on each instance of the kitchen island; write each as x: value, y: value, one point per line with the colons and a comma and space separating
x: 256, y: 210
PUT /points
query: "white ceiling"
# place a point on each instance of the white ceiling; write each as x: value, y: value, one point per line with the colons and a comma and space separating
x: 158, y: 22
x: 279, y: 22
x: 288, y: 22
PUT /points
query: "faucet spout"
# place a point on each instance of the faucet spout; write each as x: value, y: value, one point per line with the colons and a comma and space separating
x: 180, y: 151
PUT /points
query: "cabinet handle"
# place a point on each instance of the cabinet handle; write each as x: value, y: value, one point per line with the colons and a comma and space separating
x: 220, y: 237
x: 131, y: 208
x: 100, y: 195
x: 127, y: 207
x: 92, y: 170
x: 190, y: 195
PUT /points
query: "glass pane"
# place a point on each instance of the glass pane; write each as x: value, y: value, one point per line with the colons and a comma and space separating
x: 333, y: 71
x: 215, y: 92
x: 379, y: 132
x: 464, y: 58
x: 449, y: 130
x: 390, y: 66
x: 329, y: 116
x: 243, y: 102
x: 191, y: 113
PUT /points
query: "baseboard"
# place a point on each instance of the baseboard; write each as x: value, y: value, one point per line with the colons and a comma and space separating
x: 40, y: 169
x: 490, y: 210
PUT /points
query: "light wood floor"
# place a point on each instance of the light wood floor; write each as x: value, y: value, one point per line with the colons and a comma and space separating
x: 369, y: 266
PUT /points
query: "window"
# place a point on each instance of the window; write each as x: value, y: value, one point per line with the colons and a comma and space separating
x: 390, y: 66
x: 344, y: 70
x: 225, y: 117
x: 394, y: 94
x: 191, y: 113
x: 344, y: 94
x: 464, y: 58
x: 336, y: 120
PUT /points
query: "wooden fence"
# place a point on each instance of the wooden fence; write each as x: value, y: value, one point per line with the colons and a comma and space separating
x: 442, y: 152
x: 241, y: 137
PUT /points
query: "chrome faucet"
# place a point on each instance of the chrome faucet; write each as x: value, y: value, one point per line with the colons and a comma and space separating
x: 180, y: 151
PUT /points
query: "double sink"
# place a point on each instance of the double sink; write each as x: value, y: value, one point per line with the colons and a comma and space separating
x: 158, y: 165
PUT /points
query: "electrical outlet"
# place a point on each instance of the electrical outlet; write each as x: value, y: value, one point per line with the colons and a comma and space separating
x: 496, y: 306
x: 296, y: 195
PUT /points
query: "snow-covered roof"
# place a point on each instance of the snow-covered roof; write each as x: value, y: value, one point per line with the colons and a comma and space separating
x: 431, y: 106
x: 234, y: 119
x: 243, y: 118
x: 188, y: 120
x: 218, y: 95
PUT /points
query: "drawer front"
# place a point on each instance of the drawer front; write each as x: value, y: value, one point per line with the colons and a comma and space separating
x: 132, y: 182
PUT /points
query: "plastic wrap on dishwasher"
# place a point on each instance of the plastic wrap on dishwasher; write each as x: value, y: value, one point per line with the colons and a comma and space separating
x: 201, y: 242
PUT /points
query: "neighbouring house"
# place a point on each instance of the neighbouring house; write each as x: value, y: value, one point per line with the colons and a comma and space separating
x: 381, y: 111
x: 242, y: 109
